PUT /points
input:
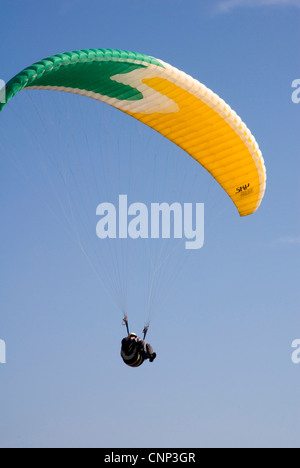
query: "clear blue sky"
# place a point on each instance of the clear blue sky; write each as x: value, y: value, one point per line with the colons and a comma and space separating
x: 224, y: 375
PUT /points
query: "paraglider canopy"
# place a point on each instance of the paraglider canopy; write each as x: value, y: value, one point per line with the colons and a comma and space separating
x: 166, y: 99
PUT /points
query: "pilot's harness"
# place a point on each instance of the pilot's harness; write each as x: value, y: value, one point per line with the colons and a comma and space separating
x: 135, y: 359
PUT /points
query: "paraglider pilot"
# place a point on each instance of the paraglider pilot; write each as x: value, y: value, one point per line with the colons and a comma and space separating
x: 135, y: 351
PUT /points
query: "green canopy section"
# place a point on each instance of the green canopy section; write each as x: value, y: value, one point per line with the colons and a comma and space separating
x: 86, y: 72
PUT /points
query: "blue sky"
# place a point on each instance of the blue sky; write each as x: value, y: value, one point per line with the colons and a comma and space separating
x: 224, y: 375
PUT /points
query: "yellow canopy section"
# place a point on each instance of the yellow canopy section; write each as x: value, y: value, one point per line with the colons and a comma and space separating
x: 211, y: 132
